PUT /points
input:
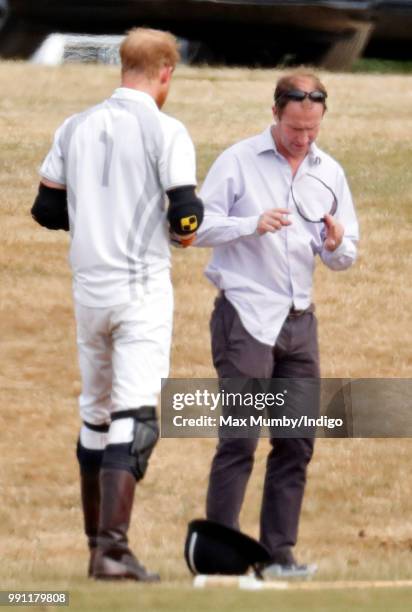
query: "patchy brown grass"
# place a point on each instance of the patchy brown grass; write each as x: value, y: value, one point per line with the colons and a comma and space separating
x: 356, y: 517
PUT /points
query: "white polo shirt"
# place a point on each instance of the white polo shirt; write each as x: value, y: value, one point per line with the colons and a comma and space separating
x: 263, y: 276
x: 117, y: 159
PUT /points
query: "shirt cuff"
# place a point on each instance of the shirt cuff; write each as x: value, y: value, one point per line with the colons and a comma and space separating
x: 247, y: 225
x: 53, y: 179
x: 342, y: 257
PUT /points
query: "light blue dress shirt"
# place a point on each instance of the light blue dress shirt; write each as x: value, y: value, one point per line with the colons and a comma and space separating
x: 263, y: 276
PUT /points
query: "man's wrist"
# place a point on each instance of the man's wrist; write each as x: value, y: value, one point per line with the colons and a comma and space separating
x: 336, y: 251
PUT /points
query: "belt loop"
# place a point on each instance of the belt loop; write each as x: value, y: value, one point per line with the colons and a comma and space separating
x: 294, y: 313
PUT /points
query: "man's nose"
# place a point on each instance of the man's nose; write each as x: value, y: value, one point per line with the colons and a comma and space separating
x: 303, y: 138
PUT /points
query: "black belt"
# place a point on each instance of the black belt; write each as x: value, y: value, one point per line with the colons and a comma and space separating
x: 294, y: 313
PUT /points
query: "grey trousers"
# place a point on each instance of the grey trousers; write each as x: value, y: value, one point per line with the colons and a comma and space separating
x: 237, y: 354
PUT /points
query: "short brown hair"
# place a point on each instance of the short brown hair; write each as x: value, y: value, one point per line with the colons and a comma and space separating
x: 147, y: 51
x: 289, y: 82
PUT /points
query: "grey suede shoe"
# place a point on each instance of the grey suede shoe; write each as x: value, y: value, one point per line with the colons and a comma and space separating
x: 287, y: 571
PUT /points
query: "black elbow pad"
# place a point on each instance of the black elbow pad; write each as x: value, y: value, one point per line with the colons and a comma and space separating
x: 185, y: 213
x: 50, y: 208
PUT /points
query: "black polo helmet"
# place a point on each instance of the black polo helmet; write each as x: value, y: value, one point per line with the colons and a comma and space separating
x: 212, y: 548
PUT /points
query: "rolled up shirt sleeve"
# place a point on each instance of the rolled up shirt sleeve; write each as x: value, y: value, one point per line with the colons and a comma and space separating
x: 342, y: 257
x: 346, y: 253
x: 222, y: 187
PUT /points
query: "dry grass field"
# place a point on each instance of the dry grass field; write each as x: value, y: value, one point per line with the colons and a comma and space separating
x: 357, y: 516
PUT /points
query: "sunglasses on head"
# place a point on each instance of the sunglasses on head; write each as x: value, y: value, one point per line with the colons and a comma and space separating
x: 298, y: 95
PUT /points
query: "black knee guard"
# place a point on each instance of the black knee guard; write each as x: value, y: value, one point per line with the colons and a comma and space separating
x: 89, y: 459
x: 134, y: 457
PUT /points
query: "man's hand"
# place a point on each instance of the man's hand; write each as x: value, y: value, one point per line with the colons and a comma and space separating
x: 273, y: 220
x: 334, y: 233
x: 181, y: 242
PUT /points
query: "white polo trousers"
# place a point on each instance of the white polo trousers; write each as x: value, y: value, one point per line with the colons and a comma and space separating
x: 124, y: 351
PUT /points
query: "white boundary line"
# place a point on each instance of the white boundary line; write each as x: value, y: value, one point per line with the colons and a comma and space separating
x: 250, y: 583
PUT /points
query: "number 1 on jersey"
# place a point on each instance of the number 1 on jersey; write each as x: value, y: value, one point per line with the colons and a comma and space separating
x: 107, y: 140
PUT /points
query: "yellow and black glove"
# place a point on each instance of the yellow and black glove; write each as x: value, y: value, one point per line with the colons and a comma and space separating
x: 185, y: 215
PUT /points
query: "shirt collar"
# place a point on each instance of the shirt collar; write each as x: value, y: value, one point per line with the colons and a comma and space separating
x: 127, y: 93
x: 314, y: 155
x: 265, y: 143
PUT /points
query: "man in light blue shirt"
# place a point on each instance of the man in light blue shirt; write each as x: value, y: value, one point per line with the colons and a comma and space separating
x: 273, y: 203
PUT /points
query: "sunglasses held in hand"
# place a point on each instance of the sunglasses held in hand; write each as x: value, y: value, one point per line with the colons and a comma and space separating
x: 325, y: 202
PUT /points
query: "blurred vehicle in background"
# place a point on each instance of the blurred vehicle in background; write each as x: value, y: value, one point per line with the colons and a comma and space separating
x: 328, y: 33
x: 3, y: 12
x: 392, y: 33
x: 331, y: 33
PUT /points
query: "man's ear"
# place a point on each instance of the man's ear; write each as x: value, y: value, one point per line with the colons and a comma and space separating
x: 275, y: 113
x: 165, y: 74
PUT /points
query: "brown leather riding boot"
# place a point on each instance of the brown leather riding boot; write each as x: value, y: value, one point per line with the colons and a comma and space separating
x: 90, y: 494
x: 113, y: 559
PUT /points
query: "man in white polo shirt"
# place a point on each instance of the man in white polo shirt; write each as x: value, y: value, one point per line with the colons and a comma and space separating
x: 105, y: 180
x: 272, y: 204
